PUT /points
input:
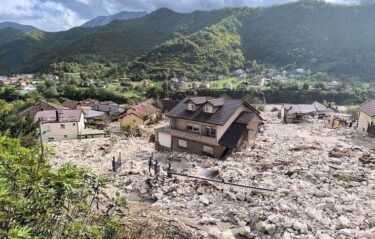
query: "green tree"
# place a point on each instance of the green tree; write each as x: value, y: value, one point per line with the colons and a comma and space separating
x: 38, y: 202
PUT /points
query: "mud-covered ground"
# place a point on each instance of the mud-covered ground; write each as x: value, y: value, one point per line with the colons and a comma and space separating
x: 324, y: 181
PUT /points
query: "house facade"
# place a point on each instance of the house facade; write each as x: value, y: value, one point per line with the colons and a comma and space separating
x: 213, y: 127
x: 57, y: 125
x: 366, y: 118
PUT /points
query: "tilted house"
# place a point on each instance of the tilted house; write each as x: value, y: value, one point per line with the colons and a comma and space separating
x: 208, y: 126
x: 140, y: 114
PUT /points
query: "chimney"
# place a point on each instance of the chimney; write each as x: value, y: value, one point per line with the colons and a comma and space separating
x: 57, y: 116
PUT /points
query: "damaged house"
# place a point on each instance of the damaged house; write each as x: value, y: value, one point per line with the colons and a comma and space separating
x: 213, y: 127
x: 295, y: 113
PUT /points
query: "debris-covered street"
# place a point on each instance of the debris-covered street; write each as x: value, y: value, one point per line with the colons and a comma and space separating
x: 324, y: 181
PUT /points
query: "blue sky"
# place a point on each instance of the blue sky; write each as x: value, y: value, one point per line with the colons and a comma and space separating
x: 56, y: 15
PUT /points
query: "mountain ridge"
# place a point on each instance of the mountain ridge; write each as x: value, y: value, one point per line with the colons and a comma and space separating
x: 25, y: 28
x: 309, y: 34
x: 104, y: 20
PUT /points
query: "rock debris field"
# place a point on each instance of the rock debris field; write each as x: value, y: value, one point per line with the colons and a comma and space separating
x: 324, y: 181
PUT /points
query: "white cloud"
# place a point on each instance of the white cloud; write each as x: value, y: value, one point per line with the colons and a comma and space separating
x: 47, y: 15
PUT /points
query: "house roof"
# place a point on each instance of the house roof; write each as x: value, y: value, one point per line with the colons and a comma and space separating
x: 245, y: 117
x: 196, y: 100
x: 220, y: 117
x: 368, y: 108
x: 169, y: 104
x: 89, y: 114
x: 34, y: 109
x: 216, y: 102
x: 141, y: 110
x: 292, y: 109
x: 70, y: 103
x: 64, y: 115
x: 306, y: 109
x: 232, y: 136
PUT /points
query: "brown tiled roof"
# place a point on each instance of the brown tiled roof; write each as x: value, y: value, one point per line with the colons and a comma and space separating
x: 32, y: 110
x: 64, y: 115
x: 368, y: 108
x: 141, y: 110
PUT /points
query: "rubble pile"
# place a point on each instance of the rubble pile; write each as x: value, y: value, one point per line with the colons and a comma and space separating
x: 324, y: 184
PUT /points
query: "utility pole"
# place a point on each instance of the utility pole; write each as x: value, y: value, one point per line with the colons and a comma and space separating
x: 41, y: 139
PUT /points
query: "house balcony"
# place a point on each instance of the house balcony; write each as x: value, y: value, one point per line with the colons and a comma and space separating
x: 187, y: 135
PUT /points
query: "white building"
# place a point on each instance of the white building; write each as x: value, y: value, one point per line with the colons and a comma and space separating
x: 57, y: 125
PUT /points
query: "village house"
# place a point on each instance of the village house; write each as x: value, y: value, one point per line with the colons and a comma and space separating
x: 41, y: 106
x: 213, y: 127
x: 140, y: 114
x: 366, y: 119
x: 107, y: 106
x: 57, y: 125
x: 294, y: 113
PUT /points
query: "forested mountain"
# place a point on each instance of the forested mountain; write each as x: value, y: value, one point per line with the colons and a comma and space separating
x: 311, y: 34
x: 215, y: 49
x: 104, y: 20
x: 25, y: 28
x: 9, y: 34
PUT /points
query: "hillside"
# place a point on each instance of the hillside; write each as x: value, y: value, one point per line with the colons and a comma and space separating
x: 9, y: 34
x: 118, y: 41
x: 310, y: 34
x: 104, y: 20
x: 25, y: 28
x: 215, y: 49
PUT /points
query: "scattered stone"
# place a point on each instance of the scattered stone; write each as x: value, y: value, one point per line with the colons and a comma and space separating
x: 204, y: 200
x: 245, y: 232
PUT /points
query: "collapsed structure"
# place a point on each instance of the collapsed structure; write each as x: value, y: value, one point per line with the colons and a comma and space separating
x: 213, y: 127
x: 294, y: 113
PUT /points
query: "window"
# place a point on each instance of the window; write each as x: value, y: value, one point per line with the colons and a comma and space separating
x: 182, y: 143
x: 208, y: 109
x: 62, y: 126
x: 208, y: 149
x: 191, y: 106
x: 51, y: 139
x: 74, y: 124
x: 211, y: 132
x: 65, y: 136
x: 192, y: 127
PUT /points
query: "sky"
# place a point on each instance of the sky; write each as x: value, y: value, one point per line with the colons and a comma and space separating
x: 57, y: 15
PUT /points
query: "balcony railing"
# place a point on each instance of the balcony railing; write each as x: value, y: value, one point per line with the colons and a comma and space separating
x: 188, y: 135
